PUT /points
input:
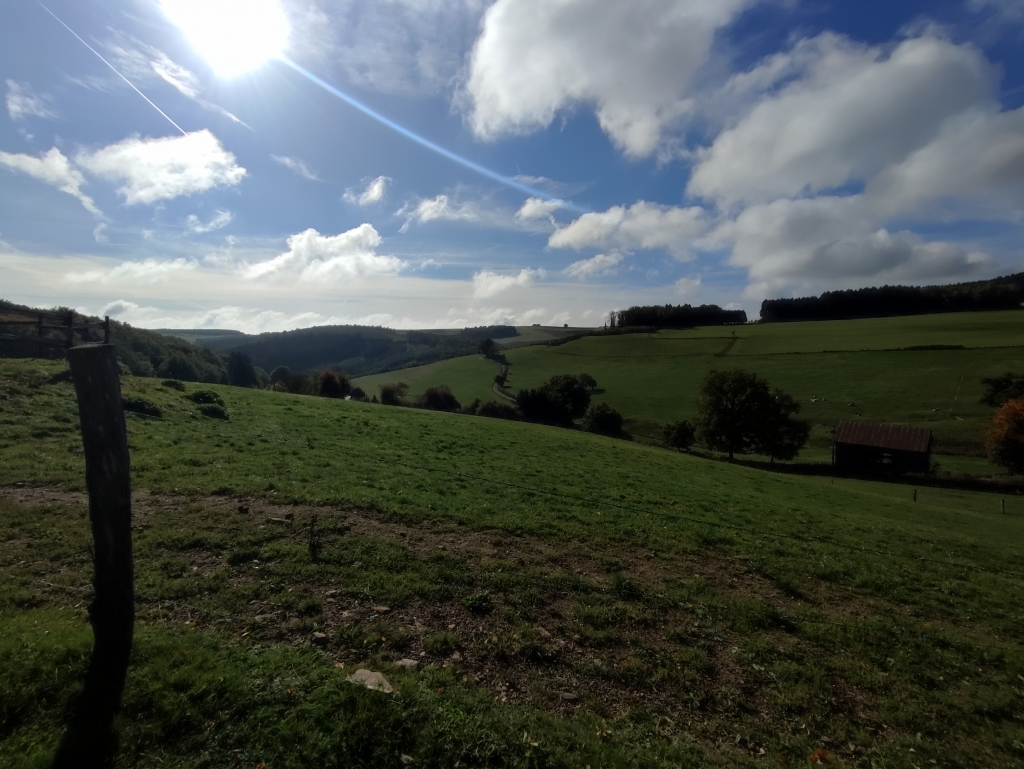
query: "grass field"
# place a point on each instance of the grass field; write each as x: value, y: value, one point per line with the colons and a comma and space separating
x: 653, y: 379
x: 469, y: 378
x: 571, y: 600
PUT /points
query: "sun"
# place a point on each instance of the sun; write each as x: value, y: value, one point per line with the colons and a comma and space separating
x: 234, y: 36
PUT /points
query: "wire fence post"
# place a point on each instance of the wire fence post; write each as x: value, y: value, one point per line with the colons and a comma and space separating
x: 89, y: 740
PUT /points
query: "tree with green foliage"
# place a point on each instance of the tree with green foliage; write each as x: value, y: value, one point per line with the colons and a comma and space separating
x: 588, y: 382
x: 1005, y: 443
x: 241, y: 372
x: 782, y: 436
x: 559, y: 401
x: 280, y: 374
x: 603, y: 420
x: 391, y: 394
x: 438, y: 398
x: 737, y: 412
x: 679, y: 435
x: 1000, y: 389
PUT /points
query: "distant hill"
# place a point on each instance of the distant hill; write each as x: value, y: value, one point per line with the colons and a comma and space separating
x: 145, y: 353
x: 1005, y: 293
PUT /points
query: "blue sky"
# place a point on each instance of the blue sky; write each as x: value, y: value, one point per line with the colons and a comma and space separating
x: 647, y: 152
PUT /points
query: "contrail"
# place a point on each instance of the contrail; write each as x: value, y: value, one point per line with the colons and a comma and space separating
x: 466, y: 162
x: 129, y: 82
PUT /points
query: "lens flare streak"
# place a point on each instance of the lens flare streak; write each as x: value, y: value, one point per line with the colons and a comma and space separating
x: 465, y: 162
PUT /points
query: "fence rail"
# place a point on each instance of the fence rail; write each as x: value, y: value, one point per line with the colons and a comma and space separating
x: 42, y: 322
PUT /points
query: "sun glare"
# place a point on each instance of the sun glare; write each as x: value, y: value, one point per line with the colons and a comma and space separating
x: 234, y: 36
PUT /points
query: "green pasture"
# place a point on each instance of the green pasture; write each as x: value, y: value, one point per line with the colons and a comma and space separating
x: 861, y: 369
x: 469, y: 377
x: 708, y: 614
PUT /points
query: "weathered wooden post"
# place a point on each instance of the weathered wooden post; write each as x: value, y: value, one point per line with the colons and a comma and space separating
x: 89, y: 740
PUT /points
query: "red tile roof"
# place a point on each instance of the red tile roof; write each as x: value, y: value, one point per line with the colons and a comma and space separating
x: 884, y: 436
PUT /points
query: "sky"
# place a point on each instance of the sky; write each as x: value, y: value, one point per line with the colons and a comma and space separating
x: 263, y: 165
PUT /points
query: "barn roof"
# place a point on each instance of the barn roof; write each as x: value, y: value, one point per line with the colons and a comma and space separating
x: 884, y: 436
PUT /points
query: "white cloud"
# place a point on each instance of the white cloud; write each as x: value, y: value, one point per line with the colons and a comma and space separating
x: 148, y: 271
x: 538, y: 208
x: 316, y: 257
x: 642, y: 225
x: 23, y: 103
x: 688, y: 287
x: 160, y: 169
x: 487, y: 284
x: 99, y: 233
x: 220, y: 219
x: 440, y: 208
x: 633, y: 62
x: 601, y: 264
x: 297, y: 166
x: 853, y: 111
x: 835, y: 241
x: 373, y: 193
x: 407, y: 47
x: 1007, y: 9
x: 53, y: 168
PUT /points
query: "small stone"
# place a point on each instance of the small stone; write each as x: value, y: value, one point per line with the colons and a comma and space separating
x: 382, y: 609
x: 407, y: 664
x: 371, y: 679
x: 406, y: 760
x: 332, y: 600
x: 457, y: 657
x: 331, y: 593
x: 543, y: 633
x: 320, y: 639
x: 568, y: 696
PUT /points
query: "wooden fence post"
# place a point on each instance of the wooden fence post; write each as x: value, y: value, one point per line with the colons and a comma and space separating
x: 89, y: 740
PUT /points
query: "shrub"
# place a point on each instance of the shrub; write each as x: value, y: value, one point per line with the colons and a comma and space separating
x: 213, y: 410
x: 559, y: 401
x: 358, y: 394
x: 330, y: 385
x: 497, y: 410
x: 280, y: 374
x: 205, y: 396
x: 392, y: 394
x: 1006, y: 437
x: 1000, y: 389
x: 174, y: 384
x: 241, y: 372
x: 603, y: 420
x: 678, y: 435
x: 438, y: 398
x: 140, y: 406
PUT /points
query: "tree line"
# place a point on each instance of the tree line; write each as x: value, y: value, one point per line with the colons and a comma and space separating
x: 674, y: 316
x: 1005, y: 293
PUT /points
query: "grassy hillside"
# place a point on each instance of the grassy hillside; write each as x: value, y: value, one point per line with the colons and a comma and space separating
x: 469, y: 378
x: 571, y: 600
x: 653, y: 379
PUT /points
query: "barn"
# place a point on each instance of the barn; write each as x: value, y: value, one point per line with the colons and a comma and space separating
x: 863, y: 446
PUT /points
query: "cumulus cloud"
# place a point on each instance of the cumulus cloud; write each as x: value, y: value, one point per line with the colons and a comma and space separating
x: 161, y: 169
x: 487, y: 284
x: 53, y: 168
x: 852, y: 111
x: 220, y: 219
x: 601, y: 264
x: 537, y: 208
x: 688, y: 287
x: 22, y: 102
x: 633, y: 62
x: 316, y: 257
x: 642, y: 225
x: 148, y: 271
x: 297, y: 166
x: 440, y: 208
x: 835, y: 241
x: 373, y: 193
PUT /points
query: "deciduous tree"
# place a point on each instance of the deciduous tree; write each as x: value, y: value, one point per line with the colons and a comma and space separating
x: 1006, y: 437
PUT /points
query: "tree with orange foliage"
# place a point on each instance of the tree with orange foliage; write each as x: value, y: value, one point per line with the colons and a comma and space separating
x: 1006, y: 437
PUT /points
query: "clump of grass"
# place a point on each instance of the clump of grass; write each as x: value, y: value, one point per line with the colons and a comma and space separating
x: 625, y: 588
x: 440, y: 644
x: 174, y: 384
x: 205, y: 396
x: 479, y: 603
x: 213, y: 411
x: 137, y: 405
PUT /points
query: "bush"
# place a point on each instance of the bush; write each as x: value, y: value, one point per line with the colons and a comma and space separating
x: 140, y: 406
x: 603, y: 420
x: 213, y: 410
x: 174, y: 384
x: 392, y: 394
x: 1006, y: 437
x: 1000, y: 389
x: 280, y: 374
x: 497, y: 410
x: 559, y: 401
x: 205, y: 396
x: 438, y: 398
x: 241, y: 372
x: 679, y: 435
x: 332, y: 385
x: 358, y: 394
